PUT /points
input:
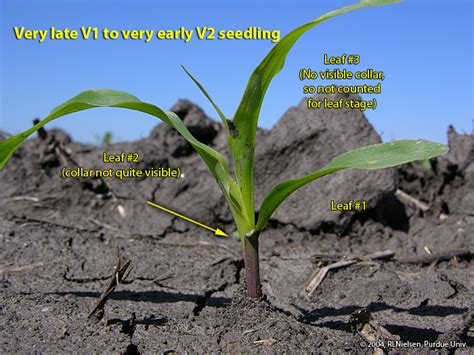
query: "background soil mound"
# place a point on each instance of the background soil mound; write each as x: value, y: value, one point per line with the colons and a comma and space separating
x: 59, y: 239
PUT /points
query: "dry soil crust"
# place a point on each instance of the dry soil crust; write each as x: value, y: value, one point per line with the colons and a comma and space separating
x: 59, y: 237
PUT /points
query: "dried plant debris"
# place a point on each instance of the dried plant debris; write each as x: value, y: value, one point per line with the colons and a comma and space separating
x: 461, y: 254
x: 122, y: 270
x: 374, y: 336
x: 321, y: 272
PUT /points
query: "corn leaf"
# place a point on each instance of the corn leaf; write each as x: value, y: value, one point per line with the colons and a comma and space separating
x: 218, y: 110
x: 216, y: 163
x: 241, y: 140
x: 378, y: 156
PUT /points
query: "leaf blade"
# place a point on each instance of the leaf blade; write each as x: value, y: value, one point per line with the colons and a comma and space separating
x: 112, y: 98
x: 242, y: 143
x: 377, y: 156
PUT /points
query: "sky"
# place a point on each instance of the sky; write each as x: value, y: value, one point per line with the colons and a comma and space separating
x: 424, y: 48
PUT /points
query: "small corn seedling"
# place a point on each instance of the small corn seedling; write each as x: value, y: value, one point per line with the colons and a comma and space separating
x: 238, y: 187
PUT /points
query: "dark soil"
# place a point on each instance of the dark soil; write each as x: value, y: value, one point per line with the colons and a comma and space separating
x: 186, y: 290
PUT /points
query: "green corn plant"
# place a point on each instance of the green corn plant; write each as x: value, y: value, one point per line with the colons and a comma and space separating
x: 238, y: 186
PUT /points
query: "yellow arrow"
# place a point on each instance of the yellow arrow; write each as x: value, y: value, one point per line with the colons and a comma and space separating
x: 217, y: 231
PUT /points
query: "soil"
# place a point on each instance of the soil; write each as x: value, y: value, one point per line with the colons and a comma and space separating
x: 186, y: 292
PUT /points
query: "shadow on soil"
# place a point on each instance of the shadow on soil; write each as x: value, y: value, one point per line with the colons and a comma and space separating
x: 151, y: 296
x: 422, y: 310
x: 407, y: 333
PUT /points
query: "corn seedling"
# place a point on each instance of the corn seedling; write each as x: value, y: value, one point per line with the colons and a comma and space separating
x: 238, y: 186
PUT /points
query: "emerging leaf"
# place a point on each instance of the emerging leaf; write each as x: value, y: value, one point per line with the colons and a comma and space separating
x: 218, y: 110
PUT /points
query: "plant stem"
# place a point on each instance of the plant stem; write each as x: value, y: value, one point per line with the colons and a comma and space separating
x: 252, y: 269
